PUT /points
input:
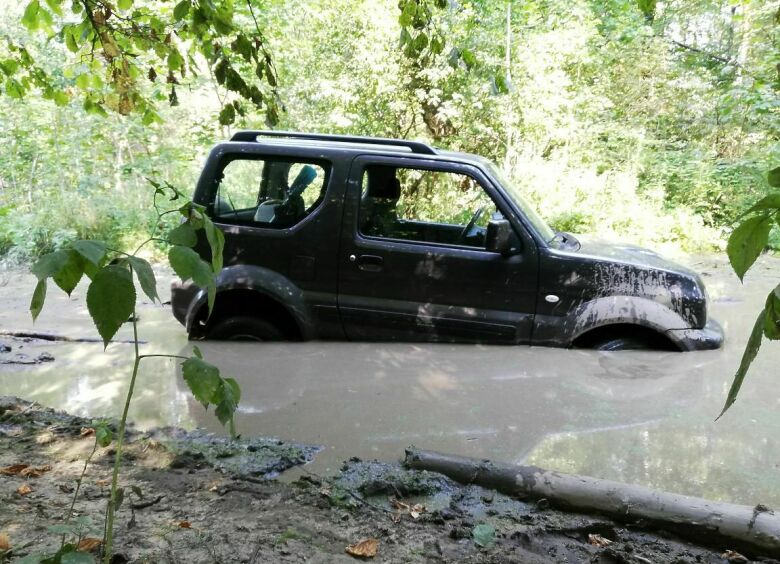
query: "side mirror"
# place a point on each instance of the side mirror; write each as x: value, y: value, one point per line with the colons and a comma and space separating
x: 497, y: 239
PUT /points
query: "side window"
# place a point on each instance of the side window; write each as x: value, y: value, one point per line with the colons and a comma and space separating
x: 269, y: 192
x: 425, y: 206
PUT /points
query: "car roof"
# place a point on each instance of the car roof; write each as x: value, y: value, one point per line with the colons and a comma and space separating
x: 354, y: 144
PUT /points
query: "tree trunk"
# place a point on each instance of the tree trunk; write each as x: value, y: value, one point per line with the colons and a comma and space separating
x: 751, y: 530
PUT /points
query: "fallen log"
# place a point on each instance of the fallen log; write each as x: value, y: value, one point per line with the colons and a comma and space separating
x: 751, y: 530
x: 53, y: 337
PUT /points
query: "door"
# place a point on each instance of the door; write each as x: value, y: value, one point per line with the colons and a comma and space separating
x: 413, y: 263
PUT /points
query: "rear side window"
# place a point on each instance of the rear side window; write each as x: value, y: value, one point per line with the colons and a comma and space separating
x: 269, y: 193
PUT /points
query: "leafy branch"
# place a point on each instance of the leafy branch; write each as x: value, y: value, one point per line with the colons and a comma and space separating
x: 746, y: 243
x: 111, y: 301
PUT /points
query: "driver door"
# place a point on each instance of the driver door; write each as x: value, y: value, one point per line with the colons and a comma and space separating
x: 413, y: 263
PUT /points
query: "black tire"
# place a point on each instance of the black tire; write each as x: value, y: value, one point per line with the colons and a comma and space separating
x: 623, y: 344
x: 242, y: 328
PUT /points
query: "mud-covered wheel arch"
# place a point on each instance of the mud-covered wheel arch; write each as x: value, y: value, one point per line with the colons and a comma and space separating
x: 246, y: 303
x: 624, y: 336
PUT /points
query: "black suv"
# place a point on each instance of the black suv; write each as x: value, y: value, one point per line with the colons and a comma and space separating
x: 339, y: 237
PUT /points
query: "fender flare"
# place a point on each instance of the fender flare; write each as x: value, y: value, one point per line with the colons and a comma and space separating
x: 265, y: 282
x: 633, y: 310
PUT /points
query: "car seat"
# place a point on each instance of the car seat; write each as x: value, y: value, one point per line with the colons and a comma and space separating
x: 378, y: 206
x: 293, y: 208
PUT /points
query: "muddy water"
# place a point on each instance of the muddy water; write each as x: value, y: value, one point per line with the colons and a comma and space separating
x: 640, y: 417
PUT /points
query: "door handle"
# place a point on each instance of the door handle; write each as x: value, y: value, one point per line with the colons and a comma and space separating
x: 370, y: 263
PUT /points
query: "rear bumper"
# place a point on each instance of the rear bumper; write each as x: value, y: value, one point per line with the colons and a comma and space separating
x: 708, y: 338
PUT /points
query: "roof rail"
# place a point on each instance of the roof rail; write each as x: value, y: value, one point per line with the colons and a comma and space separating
x: 415, y: 146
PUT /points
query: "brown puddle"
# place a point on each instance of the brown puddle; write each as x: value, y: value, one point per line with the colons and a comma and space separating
x: 644, y: 417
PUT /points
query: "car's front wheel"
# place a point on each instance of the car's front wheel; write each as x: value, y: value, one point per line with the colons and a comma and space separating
x: 624, y: 344
x: 243, y: 328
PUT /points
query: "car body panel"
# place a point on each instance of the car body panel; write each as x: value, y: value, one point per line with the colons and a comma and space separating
x: 338, y: 283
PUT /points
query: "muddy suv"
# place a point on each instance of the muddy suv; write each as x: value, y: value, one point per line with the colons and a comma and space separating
x: 338, y: 237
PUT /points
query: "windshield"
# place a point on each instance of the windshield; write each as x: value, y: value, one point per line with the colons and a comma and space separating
x: 538, y: 223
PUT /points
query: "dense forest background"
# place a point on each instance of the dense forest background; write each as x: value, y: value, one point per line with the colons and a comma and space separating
x: 643, y: 121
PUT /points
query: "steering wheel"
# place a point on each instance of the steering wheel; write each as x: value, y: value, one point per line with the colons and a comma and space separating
x: 474, y: 219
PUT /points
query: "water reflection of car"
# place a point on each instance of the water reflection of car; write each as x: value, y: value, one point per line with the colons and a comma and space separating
x: 338, y: 237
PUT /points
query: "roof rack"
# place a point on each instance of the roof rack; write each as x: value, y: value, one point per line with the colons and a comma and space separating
x: 415, y: 146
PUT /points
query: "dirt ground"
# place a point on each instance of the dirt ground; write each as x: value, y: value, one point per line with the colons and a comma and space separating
x: 197, y: 498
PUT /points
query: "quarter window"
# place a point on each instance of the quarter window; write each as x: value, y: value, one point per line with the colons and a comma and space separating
x: 425, y: 205
x: 269, y: 192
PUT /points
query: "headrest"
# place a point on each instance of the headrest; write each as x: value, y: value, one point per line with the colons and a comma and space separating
x: 302, y: 181
x: 382, y: 183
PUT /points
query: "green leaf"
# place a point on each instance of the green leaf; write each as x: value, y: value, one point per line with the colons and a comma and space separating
x: 468, y: 57
x: 483, y: 534
x: 175, y: 60
x: 111, y: 300
x: 751, y: 350
x: 773, y: 177
x: 203, y: 380
x: 70, y: 40
x: 93, y: 251
x: 31, y: 13
x: 68, y: 277
x: 124, y: 4
x: 747, y: 242
x: 120, y: 497
x: 196, y: 351
x: 230, y: 395
x: 103, y: 435
x: 181, y: 10
x: 188, y: 265
x: 50, y: 264
x: 145, y: 274
x: 183, y: 234
x: 227, y: 115
x: 55, y: 6
x: 216, y: 241
x: 772, y: 315
x: 82, y: 81
x: 38, y: 297
x: 137, y: 491
x: 767, y: 203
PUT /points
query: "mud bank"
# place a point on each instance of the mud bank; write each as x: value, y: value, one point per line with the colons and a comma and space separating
x: 195, y: 498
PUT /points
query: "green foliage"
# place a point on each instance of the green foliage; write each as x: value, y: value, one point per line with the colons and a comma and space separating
x: 746, y: 243
x: 209, y: 388
x: 111, y: 301
x: 128, y: 42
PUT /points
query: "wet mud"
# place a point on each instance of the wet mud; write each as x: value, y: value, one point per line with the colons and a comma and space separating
x: 192, y: 509
x: 636, y: 417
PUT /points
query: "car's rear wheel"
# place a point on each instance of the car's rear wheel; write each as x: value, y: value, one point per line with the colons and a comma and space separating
x: 243, y: 328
